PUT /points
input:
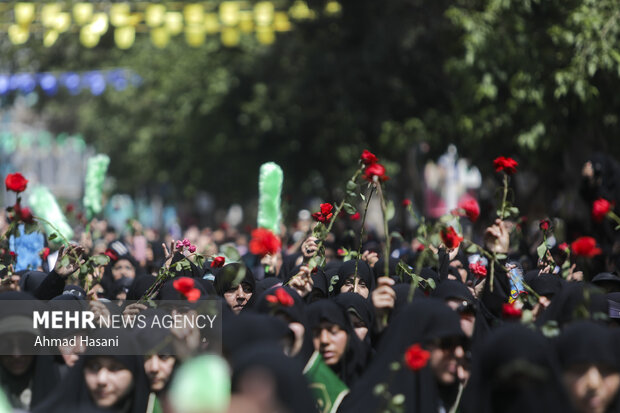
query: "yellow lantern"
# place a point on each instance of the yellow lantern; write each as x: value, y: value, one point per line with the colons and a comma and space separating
x: 49, y: 13
x: 63, y: 22
x: 24, y: 13
x: 124, y: 36
x: 155, y: 15
x: 160, y: 37
x: 333, y: 7
x: 300, y: 10
x: 263, y: 13
x: 195, y: 35
x: 194, y: 14
x: 246, y: 21
x: 18, y: 34
x: 230, y: 36
x: 119, y: 14
x: 212, y: 24
x: 229, y: 13
x: 265, y: 35
x: 100, y: 23
x: 281, y: 23
x: 82, y: 13
x: 88, y: 37
x: 50, y: 37
x: 174, y: 22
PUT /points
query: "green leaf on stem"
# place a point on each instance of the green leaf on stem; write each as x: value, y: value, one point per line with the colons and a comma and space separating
x: 363, y: 197
x: 431, y: 283
x: 52, y: 236
x: 349, y: 209
x: 100, y: 259
x: 397, y: 235
x: 472, y: 249
x: 501, y: 256
x: 390, y: 210
x: 541, y: 250
x: 351, y: 186
x: 231, y: 253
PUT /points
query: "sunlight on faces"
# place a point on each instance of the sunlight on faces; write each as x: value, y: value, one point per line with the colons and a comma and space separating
x: 123, y: 268
x: 355, y: 285
x: 108, y: 381
x: 237, y: 297
x: 591, y: 388
x: 158, y: 369
x: 331, y: 341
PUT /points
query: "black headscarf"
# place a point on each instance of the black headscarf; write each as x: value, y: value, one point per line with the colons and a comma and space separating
x: 516, y: 371
x: 363, y: 271
x: 291, y: 390
x: 226, y: 277
x: 73, y: 393
x: 251, y: 329
x: 421, y: 322
x: 575, y: 301
x: 360, y: 306
x: 354, y: 360
x: 31, y: 280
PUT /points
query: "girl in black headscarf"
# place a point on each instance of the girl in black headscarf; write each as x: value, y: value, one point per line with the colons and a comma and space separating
x: 361, y: 313
x: 591, y: 372
x: 515, y: 371
x: 363, y: 284
x: 235, y: 283
x: 336, y: 340
x: 113, y: 383
x: 418, y: 359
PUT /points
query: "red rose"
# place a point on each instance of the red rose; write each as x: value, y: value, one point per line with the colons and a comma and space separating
x: 69, y: 208
x: 193, y: 295
x: 471, y: 208
x: 376, y: 169
x: 341, y: 252
x: 326, y: 208
x: 325, y: 214
x: 450, y: 238
x: 563, y: 246
x: 110, y: 253
x: 406, y: 202
x: 218, y: 262
x: 284, y: 297
x: 264, y: 242
x: 184, y: 285
x: 420, y: 248
x: 45, y: 252
x: 544, y: 224
x: 509, y: 311
x: 507, y: 165
x: 16, y: 182
x: 368, y: 158
x: 478, y: 269
x: 355, y: 217
x: 585, y: 247
x: 25, y: 215
x: 600, y: 208
x: 416, y: 357
x: 12, y: 254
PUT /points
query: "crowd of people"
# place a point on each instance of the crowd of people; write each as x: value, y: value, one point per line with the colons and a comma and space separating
x: 499, y: 329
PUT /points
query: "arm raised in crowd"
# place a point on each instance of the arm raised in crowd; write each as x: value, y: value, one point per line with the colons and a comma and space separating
x: 54, y: 283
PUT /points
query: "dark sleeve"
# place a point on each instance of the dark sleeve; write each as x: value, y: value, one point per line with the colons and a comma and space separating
x: 493, y: 301
x: 52, y: 286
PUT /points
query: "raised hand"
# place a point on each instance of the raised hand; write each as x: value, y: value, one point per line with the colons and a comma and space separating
x: 69, y: 260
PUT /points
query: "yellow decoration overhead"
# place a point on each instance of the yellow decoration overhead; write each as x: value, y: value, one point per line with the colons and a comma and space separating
x: 49, y: 13
x: 24, y: 13
x: 82, y: 13
x: 100, y: 24
x: 263, y: 12
x: 333, y: 7
x: 49, y: 38
x: 194, y: 14
x: 174, y: 22
x: 155, y: 15
x: 18, y: 34
x: 229, y: 13
x: 265, y: 35
x: 124, y: 37
x: 63, y: 22
x: 119, y: 14
x: 281, y: 23
x: 195, y: 35
x: 160, y: 37
x: 246, y: 21
x: 230, y: 36
x: 88, y: 37
x: 212, y: 24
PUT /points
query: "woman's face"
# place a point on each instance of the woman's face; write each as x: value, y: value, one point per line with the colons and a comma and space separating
x: 361, y: 330
x: 158, y: 368
x: 108, y: 381
x: 355, y: 285
x: 123, y: 268
x: 237, y: 297
x: 591, y: 387
x: 331, y: 341
x: 446, y: 356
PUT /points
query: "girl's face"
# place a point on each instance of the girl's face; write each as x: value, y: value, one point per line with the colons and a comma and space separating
x: 361, y: 330
x: 591, y: 387
x: 237, y: 297
x: 331, y: 341
x: 123, y: 268
x: 158, y: 368
x: 108, y: 381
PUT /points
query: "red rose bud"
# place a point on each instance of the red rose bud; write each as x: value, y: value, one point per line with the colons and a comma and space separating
x: 563, y: 246
x: 544, y: 224
x: 272, y: 299
x: 184, y: 285
x: 511, y: 312
x: 218, y: 262
x: 284, y: 297
x: 420, y: 248
x: 416, y: 357
x: 471, y: 209
x: 192, y: 249
x: 192, y: 295
x: 376, y: 169
x: 264, y: 242
x: 26, y: 215
x: 16, y: 182
x: 478, y: 269
x: 12, y: 254
x: 368, y: 158
x: 600, y: 208
x: 45, y: 252
x: 507, y: 165
x: 341, y: 252
x: 355, y: 217
x: 325, y: 214
x: 69, y: 208
x: 406, y: 202
x: 450, y: 238
x: 110, y: 253
x: 326, y: 208
x: 585, y: 247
